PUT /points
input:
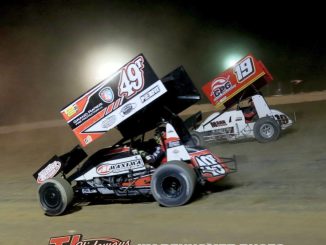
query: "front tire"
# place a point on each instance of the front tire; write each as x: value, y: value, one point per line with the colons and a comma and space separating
x: 55, y: 195
x: 266, y: 129
x: 173, y: 184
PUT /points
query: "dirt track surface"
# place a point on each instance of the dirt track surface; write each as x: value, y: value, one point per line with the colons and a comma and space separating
x: 278, y: 194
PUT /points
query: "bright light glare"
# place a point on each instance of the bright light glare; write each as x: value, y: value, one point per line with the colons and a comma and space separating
x: 231, y: 60
x: 102, y: 62
x: 104, y: 70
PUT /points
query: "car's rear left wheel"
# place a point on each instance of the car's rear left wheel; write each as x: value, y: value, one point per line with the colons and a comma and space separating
x: 55, y: 195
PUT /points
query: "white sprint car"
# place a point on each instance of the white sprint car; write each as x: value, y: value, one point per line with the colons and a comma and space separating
x: 260, y: 122
x: 232, y: 87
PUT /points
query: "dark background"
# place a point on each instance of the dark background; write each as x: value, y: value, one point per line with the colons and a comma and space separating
x: 50, y: 50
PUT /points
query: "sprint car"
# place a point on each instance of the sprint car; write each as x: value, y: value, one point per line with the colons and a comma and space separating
x: 233, y: 87
x: 137, y: 103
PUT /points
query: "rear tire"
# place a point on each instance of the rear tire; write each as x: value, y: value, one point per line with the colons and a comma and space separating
x: 173, y: 184
x: 55, y: 195
x: 197, y: 138
x: 266, y: 129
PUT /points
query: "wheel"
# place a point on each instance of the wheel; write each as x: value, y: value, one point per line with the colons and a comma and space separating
x: 197, y: 138
x: 55, y: 195
x: 173, y: 184
x: 266, y: 129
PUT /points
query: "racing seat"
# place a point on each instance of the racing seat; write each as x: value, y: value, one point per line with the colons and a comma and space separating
x: 250, y: 112
x: 249, y: 116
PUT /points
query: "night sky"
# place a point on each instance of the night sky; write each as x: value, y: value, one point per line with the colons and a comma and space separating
x: 51, y: 51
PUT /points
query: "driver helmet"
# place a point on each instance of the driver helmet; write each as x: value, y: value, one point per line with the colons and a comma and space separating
x: 159, y: 134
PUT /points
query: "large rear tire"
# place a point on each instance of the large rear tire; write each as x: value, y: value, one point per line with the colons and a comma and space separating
x: 266, y: 129
x: 55, y: 195
x: 173, y: 184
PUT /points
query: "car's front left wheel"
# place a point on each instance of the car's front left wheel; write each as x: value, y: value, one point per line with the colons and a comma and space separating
x: 173, y: 184
x: 266, y: 129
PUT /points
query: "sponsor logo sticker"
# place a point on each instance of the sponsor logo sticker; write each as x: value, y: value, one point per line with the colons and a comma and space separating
x: 106, y: 94
x: 174, y: 144
x: 108, y: 122
x: 71, y: 110
x: 119, y: 167
x: 215, y: 124
x: 127, y: 109
x: 48, y: 172
x: 220, y: 86
x: 150, y: 94
x: 88, y: 139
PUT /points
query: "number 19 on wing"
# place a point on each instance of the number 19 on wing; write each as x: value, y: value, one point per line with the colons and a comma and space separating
x: 244, y: 69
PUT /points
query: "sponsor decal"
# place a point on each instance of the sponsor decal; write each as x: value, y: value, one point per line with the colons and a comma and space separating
x: 174, y: 144
x: 50, y: 171
x: 118, y: 103
x: 220, y: 86
x: 108, y: 122
x: 114, y: 167
x: 209, y: 164
x: 224, y: 131
x: 106, y: 94
x: 78, y: 240
x: 88, y: 114
x: 88, y: 191
x: 88, y: 139
x: 218, y: 123
x: 71, y: 110
x: 150, y: 94
x: 127, y: 109
x: 175, y: 151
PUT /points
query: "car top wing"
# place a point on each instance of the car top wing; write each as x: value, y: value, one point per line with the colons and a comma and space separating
x: 242, y: 80
x: 106, y: 105
x: 181, y: 94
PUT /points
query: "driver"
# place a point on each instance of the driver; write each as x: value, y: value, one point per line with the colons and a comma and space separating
x: 152, y: 150
x: 250, y: 112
